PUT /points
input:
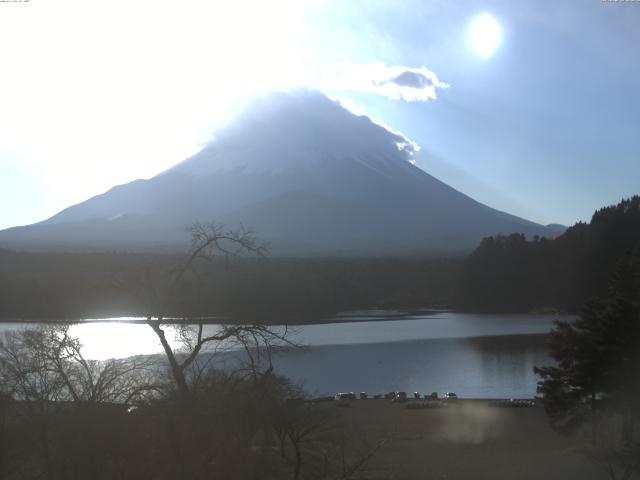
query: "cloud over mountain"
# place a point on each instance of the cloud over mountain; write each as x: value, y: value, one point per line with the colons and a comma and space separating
x: 309, y: 176
x: 394, y: 82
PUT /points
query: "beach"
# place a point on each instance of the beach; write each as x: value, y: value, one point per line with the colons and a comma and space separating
x: 467, y: 439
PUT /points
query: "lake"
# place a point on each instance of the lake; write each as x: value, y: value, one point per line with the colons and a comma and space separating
x: 482, y: 356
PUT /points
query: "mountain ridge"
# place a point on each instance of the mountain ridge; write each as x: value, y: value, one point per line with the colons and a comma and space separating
x: 306, y: 174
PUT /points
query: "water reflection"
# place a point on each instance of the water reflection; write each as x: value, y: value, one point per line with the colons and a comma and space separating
x: 481, y: 367
x: 475, y: 355
x: 122, y: 337
x: 103, y: 340
x: 438, y: 325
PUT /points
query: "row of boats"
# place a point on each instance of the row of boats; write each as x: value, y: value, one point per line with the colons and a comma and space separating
x: 398, y: 396
x: 430, y: 400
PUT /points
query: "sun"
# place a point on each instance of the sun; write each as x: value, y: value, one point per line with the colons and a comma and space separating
x: 485, y: 35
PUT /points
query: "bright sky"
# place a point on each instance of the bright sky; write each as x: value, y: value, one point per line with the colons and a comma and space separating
x: 530, y: 107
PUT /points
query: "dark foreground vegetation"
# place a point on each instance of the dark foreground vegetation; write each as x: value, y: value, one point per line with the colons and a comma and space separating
x: 70, y: 286
x: 513, y: 274
x: 66, y: 417
x: 594, y: 385
x: 504, y: 274
x: 63, y: 416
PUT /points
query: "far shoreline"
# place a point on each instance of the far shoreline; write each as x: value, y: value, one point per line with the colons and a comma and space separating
x: 353, y: 316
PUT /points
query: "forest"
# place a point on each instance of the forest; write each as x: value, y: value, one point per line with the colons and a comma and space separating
x: 513, y: 274
x: 41, y: 286
x: 65, y: 416
x: 505, y: 273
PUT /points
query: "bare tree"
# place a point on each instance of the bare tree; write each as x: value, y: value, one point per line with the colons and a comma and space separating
x: 66, y: 406
x: 208, y: 242
x: 46, y: 364
x: 305, y: 424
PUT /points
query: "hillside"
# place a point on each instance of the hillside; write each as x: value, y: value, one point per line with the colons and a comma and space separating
x: 310, y: 177
x: 510, y: 273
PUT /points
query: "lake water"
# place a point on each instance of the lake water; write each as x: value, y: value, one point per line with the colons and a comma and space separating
x: 484, y: 356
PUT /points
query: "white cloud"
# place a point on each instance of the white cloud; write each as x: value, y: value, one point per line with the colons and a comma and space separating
x: 404, y: 143
x: 395, y: 82
x: 355, y: 108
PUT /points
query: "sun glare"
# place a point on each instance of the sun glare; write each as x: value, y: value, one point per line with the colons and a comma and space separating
x: 485, y: 35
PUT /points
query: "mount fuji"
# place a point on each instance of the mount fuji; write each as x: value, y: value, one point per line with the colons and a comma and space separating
x: 307, y: 175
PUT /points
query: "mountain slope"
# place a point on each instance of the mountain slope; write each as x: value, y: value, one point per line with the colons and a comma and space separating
x: 511, y: 274
x: 306, y: 174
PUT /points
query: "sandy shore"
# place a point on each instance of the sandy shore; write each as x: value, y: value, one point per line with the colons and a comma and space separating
x: 465, y: 440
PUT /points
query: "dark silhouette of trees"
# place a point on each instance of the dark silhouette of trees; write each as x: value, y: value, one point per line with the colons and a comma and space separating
x: 250, y: 288
x: 595, y: 380
x: 208, y: 241
x: 301, y: 424
x: 62, y: 415
x: 45, y: 364
x: 513, y: 274
x: 69, y: 417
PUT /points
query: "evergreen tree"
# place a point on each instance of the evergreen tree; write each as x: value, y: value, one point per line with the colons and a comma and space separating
x: 596, y: 380
x: 510, y: 273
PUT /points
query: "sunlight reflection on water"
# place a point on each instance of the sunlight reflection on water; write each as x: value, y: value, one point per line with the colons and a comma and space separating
x: 127, y: 336
x: 477, y: 355
x: 102, y: 340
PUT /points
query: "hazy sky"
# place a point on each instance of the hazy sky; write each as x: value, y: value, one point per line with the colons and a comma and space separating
x: 530, y: 107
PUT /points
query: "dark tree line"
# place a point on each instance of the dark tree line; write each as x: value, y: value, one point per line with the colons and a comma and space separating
x: 504, y: 274
x: 513, y: 274
x: 63, y: 416
x: 69, y: 286
x: 595, y: 382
